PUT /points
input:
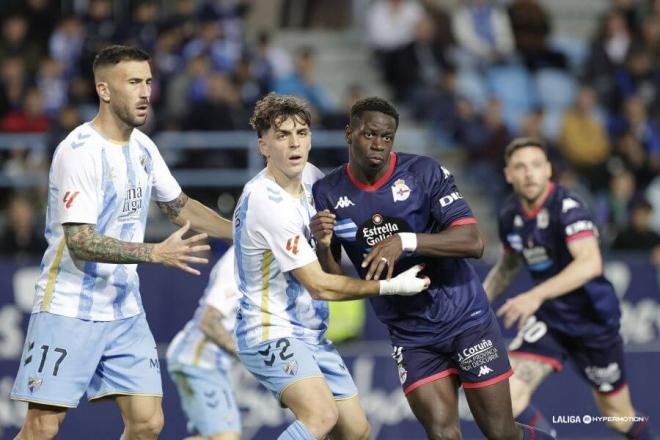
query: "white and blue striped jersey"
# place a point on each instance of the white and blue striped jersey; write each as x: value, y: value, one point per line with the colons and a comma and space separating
x: 272, y: 237
x: 98, y: 181
x: 190, y: 346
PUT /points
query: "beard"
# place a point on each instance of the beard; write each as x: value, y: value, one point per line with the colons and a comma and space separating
x: 129, y: 118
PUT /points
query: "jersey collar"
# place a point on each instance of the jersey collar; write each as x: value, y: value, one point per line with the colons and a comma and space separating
x: 530, y: 215
x: 380, y: 182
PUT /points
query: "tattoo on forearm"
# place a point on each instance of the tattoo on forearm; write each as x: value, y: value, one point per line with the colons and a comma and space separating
x: 503, y: 275
x: 173, y: 208
x: 84, y: 243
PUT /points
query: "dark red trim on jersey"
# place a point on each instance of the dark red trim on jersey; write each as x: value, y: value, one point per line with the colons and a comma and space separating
x: 556, y: 364
x: 532, y: 214
x: 380, y: 182
x: 463, y: 221
x: 579, y: 235
x: 621, y: 387
x: 432, y: 378
x: 506, y: 248
x: 488, y: 382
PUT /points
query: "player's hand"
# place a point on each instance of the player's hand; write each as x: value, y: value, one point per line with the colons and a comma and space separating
x: 519, y: 309
x: 174, y: 251
x: 407, y: 283
x: 322, y: 225
x: 384, y: 253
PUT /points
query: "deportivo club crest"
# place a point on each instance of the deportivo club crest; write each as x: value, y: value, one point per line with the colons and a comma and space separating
x: 291, y: 368
x: 403, y: 374
x: 400, y: 191
x: 34, y: 384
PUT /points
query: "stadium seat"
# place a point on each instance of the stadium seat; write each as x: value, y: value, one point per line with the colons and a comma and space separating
x: 556, y: 89
x: 512, y: 85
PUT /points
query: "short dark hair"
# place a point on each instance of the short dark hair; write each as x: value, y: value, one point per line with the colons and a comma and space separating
x: 523, y: 142
x: 373, y: 104
x: 115, y: 54
x: 272, y: 109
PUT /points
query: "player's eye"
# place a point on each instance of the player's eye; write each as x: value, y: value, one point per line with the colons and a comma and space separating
x: 368, y: 135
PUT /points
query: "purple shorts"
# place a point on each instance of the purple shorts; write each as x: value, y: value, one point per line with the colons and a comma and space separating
x: 477, y: 356
x: 597, y: 359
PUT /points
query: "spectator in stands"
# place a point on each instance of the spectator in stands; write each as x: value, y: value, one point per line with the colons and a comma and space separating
x: 483, y: 32
x: 583, y: 141
x: 67, y: 119
x: 269, y: 61
x: 20, y: 238
x: 211, y: 41
x: 66, y: 43
x: 611, y: 209
x: 630, y: 152
x: 639, y: 234
x: 15, y: 42
x: 391, y: 28
x: 431, y: 59
x: 637, y: 121
x: 653, y: 196
x: 219, y: 107
x: 41, y: 16
x: 53, y: 86
x: 143, y: 30
x: 531, y: 27
x: 608, y: 53
x: 13, y: 83
x: 186, y: 88
x: 29, y: 119
x: 303, y: 83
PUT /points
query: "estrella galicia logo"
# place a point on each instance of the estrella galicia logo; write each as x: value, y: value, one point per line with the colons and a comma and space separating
x: 378, y: 228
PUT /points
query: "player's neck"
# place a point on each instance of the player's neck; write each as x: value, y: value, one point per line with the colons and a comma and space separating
x: 533, y: 205
x: 292, y: 185
x: 112, y: 127
x: 367, y: 176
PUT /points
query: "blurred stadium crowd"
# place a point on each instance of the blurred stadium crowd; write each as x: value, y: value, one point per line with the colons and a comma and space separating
x: 475, y: 73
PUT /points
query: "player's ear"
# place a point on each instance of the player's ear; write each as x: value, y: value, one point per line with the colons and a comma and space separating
x: 103, y: 90
x: 506, y: 174
x: 263, y: 147
x: 348, y: 132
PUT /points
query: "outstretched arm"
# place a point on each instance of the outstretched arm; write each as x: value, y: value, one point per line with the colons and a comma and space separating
x: 211, y: 326
x: 85, y: 243
x: 501, y: 275
x: 329, y: 287
x: 202, y: 219
x: 586, y: 265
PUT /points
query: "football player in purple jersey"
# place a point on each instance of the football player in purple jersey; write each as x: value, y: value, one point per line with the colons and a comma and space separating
x: 391, y: 211
x: 572, y: 311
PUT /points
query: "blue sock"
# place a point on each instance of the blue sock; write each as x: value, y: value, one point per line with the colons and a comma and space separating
x: 296, y: 431
x: 531, y: 416
x: 640, y: 430
x: 530, y: 433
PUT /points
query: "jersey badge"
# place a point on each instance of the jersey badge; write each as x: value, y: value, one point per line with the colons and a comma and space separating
x: 400, y: 191
x: 543, y: 219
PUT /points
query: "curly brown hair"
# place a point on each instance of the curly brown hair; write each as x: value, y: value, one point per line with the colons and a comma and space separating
x: 273, y: 109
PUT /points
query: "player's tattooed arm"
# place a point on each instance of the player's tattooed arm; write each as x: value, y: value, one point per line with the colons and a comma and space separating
x: 501, y: 275
x: 211, y: 326
x: 86, y: 244
x: 201, y: 218
x: 173, y: 208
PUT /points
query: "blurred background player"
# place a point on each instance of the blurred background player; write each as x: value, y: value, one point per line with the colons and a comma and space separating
x: 200, y: 357
x: 386, y: 205
x: 283, y: 313
x: 102, y: 179
x: 572, y: 311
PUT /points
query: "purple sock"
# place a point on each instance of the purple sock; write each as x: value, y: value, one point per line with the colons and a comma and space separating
x: 640, y: 430
x: 531, y: 416
x: 530, y: 433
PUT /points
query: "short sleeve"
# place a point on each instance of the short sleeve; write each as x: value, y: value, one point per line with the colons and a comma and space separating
x: 503, y: 231
x: 576, y: 220
x: 283, y: 229
x: 222, y: 291
x: 320, y: 200
x: 447, y: 203
x: 165, y: 187
x: 76, y: 176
